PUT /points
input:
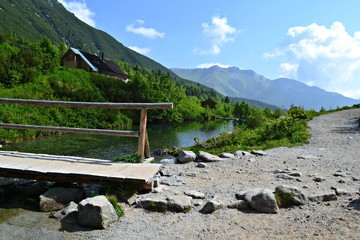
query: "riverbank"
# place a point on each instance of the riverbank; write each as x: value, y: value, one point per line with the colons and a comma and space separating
x: 331, y: 155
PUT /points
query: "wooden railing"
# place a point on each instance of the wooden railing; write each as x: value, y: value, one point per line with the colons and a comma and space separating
x: 143, y: 145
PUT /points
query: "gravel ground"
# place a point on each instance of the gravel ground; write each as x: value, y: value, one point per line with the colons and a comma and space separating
x: 333, y: 149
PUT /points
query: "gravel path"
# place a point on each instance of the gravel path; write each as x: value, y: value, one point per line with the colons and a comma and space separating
x: 333, y: 149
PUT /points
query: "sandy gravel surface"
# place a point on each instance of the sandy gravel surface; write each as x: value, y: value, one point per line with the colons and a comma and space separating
x: 333, y: 148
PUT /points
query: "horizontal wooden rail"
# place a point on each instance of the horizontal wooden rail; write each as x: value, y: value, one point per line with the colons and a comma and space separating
x: 100, y: 105
x: 73, y: 130
x: 143, y: 145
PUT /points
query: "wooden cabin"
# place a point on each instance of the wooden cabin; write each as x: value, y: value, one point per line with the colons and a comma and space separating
x: 75, y: 58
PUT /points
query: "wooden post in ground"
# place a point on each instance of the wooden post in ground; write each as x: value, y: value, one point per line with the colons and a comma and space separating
x: 143, y: 135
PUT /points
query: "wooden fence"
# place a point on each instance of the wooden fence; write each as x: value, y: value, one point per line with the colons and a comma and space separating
x: 143, y: 145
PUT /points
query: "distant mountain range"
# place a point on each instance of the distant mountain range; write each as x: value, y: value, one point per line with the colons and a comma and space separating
x: 282, y: 92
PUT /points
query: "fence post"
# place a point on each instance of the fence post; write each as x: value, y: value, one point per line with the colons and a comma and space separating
x: 142, y: 134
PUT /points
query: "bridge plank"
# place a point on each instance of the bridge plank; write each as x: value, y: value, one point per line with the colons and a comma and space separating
x: 21, y: 165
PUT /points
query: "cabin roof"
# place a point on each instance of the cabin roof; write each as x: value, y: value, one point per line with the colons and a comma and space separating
x: 99, y: 65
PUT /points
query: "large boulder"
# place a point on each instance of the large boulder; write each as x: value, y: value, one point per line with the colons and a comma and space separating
x: 186, y: 156
x: 57, y: 198
x: 289, y: 196
x: 261, y: 199
x: 96, y: 212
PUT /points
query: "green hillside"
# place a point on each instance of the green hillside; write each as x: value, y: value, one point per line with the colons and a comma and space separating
x: 32, y: 20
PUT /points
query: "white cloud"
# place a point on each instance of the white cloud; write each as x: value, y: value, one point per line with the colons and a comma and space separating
x: 208, y: 65
x: 143, y: 51
x: 81, y: 11
x: 321, y: 56
x: 146, y: 32
x: 290, y: 70
x: 216, y: 35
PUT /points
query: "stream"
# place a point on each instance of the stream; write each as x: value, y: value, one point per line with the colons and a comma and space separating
x: 109, y: 147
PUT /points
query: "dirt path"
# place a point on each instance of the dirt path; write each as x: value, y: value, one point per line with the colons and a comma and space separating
x: 333, y: 149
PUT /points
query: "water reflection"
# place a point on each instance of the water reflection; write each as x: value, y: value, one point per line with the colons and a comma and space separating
x: 109, y: 147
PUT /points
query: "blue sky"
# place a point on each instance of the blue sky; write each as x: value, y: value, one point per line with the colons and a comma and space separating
x: 316, y: 42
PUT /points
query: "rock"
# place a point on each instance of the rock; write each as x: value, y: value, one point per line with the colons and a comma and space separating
x: 171, y: 182
x: 295, y: 174
x: 173, y: 204
x: 242, y: 154
x: 179, y: 203
x: 323, y: 198
x: 241, y: 195
x: 355, y: 179
x: 239, y: 205
x: 342, y: 192
x: 186, y: 156
x: 96, y: 212
x: 289, y: 196
x: 168, y: 161
x: 201, y: 165
x: 70, y: 208
x: 191, y: 174
x: 210, y: 206
x: 207, y: 157
x: 152, y: 204
x: 227, y: 155
x: 319, y: 179
x: 57, y: 198
x: 195, y: 194
x: 166, y: 172
x: 284, y: 176
x: 277, y: 171
x: 262, y: 200
x: 258, y: 152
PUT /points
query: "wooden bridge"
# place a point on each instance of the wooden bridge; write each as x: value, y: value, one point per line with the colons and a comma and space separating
x: 55, y: 168
x: 77, y: 169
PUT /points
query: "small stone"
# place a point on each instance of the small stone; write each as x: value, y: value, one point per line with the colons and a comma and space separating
x: 227, y: 155
x: 355, y: 179
x: 210, y: 206
x: 207, y: 157
x: 262, y: 200
x: 191, y: 174
x: 186, y: 156
x: 70, y: 208
x: 168, y: 161
x: 259, y: 152
x: 201, y: 165
x: 195, y: 194
x: 341, y: 192
x: 166, y: 172
x: 179, y: 203
x: 289, y: 196
x: 284, y: 176
x: 295, y: 174
x: 319, y: 179
x: 341, y: 181
x: 323, y: 198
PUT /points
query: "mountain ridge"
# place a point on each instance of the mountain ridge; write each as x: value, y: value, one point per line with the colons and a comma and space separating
x: 282, y: 92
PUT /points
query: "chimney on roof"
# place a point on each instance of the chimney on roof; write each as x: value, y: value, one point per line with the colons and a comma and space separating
x: 102, y: 56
